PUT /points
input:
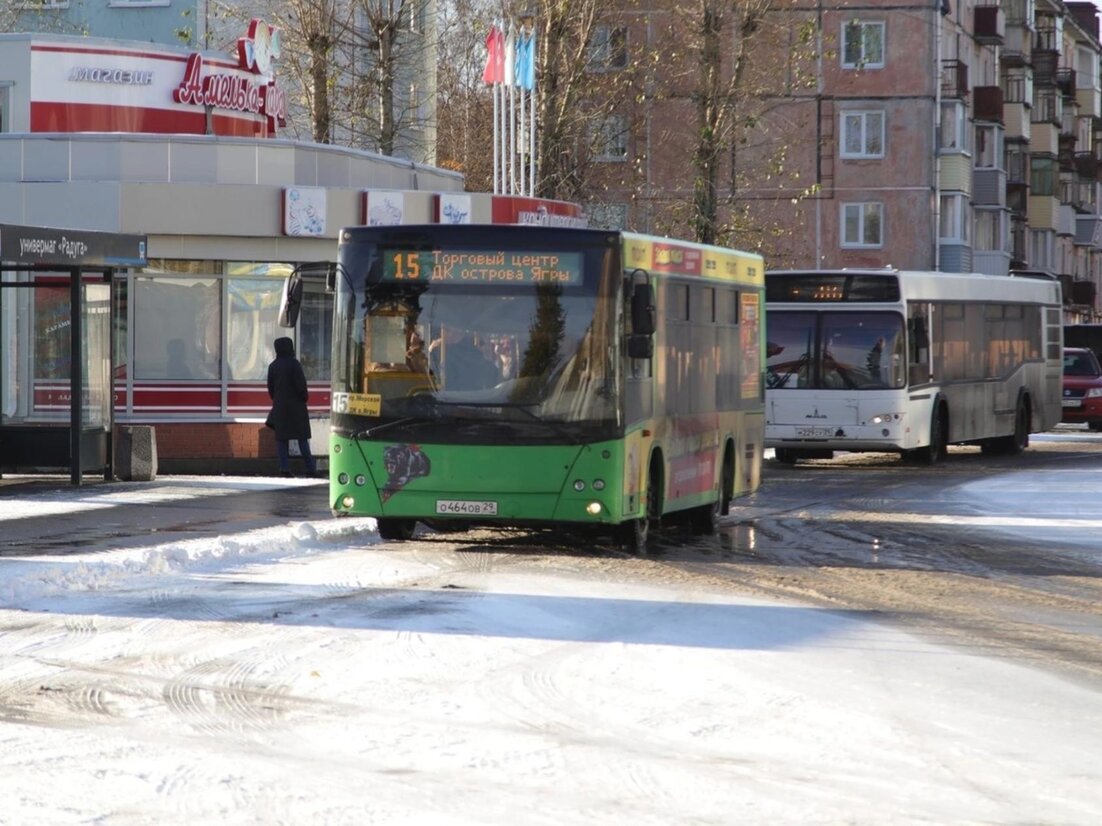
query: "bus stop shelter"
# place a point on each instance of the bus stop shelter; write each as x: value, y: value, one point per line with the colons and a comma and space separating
x: 57, y: 346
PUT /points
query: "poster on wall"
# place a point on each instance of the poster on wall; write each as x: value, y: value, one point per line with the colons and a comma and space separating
x: 453, y: 208
x: 304, y: 211
x: 384, y: 207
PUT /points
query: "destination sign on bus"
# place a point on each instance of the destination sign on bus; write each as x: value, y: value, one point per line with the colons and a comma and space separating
x: 830, y: 287
x: 484, y: 267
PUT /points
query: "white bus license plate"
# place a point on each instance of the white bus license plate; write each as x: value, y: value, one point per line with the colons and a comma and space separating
x: 1073, y: 402
x: 814, y: 432
x: 463, y: 507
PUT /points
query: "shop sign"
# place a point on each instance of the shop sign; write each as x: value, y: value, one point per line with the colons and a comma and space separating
x: 513, y: 209
x: 44, y: 245
x: 255, y: 92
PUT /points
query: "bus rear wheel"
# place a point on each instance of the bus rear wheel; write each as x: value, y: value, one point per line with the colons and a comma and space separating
x: 397, y: 530
x: 705, y: 519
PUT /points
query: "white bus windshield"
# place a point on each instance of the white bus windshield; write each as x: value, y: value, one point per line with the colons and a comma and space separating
x: 835, y: 350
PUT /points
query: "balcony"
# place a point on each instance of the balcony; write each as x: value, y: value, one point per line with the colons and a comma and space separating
x: 1046, y: 38
x: 987, y: 103
x: 1045, y: 67
x: 1087, y: 165
x: 1083, y: 293
x: 954, y: 79
x: 1065, y: 82
x: 990, y: 26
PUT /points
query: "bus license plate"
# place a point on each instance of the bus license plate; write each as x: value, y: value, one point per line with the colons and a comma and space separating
x: 1073, y: 402
x: 814, y: 432
x: 463, y: 507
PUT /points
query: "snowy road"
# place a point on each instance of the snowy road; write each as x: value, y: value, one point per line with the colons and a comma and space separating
x: 302, y: 672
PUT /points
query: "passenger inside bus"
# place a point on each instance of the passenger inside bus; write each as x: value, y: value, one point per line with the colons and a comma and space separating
x: 456, y: 358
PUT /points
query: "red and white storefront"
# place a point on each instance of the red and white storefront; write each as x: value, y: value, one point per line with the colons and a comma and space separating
x: 184, y: 149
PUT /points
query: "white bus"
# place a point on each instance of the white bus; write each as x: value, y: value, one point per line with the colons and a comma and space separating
x: 909, y: 362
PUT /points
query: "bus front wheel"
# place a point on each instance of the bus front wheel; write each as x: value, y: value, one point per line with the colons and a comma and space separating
x: 1017, y: 441
x: 635, y: 533
x: 938, y: 448
x: 397, y: 530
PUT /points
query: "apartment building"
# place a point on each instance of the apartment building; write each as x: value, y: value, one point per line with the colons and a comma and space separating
x: 958, y: 135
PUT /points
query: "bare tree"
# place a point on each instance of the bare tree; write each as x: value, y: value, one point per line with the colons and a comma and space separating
x: 464, y: 107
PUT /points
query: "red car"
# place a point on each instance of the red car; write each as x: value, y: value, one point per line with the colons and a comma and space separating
x: 1082, y: 387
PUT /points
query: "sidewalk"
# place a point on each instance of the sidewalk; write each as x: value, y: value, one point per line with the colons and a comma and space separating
x: 50, y: 515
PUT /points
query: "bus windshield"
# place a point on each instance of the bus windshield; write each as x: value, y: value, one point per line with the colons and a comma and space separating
x: 835, y: 350
x: 521, y: 355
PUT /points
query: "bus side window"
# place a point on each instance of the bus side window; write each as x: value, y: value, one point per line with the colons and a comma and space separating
x: 919, y: 367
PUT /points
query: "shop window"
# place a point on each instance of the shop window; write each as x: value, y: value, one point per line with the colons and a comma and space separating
x: 177, y: 328
x: 253, y: 309
x: 862, y: 45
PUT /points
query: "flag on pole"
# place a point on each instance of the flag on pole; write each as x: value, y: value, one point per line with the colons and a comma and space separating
x: 526, y: 67
x: 510, y: 59
x: 495, y: 58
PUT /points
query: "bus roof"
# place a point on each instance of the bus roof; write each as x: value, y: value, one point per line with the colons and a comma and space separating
x: 670, y: 256
x: 919, y: 285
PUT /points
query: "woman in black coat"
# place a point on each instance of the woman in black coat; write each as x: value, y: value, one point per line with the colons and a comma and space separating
x: 289, y: 417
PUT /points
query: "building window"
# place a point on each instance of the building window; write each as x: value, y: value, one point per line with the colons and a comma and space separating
x: 991, y: 231
x: 606, y: 216
x: 989, y: 147
x: 607, y: 50
x: 1086, y: 68
x: 862, y: 225
x: 862, y: 45
x: 1044, y: 176
x: 608, y: 138
x: 953, y: 131
x: 956, y: 219
x: 5, y: 107
x: 863, y: 134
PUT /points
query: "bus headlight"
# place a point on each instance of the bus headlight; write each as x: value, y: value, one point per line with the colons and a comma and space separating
x: 593, y: 508
x: 347, y: 502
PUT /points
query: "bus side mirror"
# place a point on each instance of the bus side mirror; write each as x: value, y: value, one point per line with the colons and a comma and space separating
x: 291, y: 300
x: 640, y: 346
x: 642, y: 310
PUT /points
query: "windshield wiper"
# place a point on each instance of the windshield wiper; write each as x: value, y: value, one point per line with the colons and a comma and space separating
x: 373, y: 431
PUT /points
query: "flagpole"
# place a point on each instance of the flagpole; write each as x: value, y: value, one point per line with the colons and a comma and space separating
x: 497, y: 141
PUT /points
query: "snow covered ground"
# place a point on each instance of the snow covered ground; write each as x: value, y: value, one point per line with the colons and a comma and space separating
x: 307, y: 674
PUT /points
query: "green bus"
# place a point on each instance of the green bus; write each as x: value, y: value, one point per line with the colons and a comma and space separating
x: 532, y: 376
